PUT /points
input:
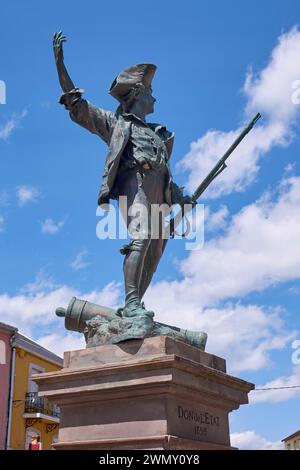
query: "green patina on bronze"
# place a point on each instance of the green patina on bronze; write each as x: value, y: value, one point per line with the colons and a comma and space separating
x: 104, y: 325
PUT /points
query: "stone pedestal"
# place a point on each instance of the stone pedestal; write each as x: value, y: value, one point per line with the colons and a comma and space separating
x: 156, y: 393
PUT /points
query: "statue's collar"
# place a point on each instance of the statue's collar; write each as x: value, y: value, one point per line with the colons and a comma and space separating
x: 134, y: 116
x: 129, y: 116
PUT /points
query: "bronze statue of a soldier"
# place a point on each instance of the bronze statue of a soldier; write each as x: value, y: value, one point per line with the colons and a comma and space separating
x: 136, y: 166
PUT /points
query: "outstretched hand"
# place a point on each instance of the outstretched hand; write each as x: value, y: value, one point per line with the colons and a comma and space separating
x: 58, y: 40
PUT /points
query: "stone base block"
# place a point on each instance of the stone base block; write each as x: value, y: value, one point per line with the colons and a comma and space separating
x: 156, y: 393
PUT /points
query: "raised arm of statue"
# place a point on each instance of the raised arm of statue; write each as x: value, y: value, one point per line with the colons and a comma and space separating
x: 96, y: 120
x: 64, y: 78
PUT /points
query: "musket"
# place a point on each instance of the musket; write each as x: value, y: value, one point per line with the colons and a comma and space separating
x: 216, y: 171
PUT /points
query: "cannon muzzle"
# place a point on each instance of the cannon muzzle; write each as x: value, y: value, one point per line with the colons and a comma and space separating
x: 79, y: 311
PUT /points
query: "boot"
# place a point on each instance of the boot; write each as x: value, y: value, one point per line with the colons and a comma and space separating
x: 136, y: 309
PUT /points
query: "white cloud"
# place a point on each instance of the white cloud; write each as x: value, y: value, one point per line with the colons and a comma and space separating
x: 50, y: 227
x: 269, y: 92
x: 277, y: 396
x: 289, y: 168
x: 7, y: 129
x: 294, y: 290
x: 238, y: 262
x: 33, y: 310
x: 26, y: 194
x: 243, y: 334
x: 250, y: 440
x: 80, y: 261
x: 4, y: 199
x: 258, y: 249
x: 62, y: 341
x: 2, y: 223
x: 42, y: 282
x: 23, y: 309
x: 46, y: 104
x: 271, y: 89
x: 216, y: 220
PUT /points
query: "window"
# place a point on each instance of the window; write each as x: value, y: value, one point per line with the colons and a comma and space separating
x: 2, y: 352
x: 29, y: 433
x: 33, y: 369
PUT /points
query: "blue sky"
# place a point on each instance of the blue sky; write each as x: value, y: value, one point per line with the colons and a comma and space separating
x: 218, y: 64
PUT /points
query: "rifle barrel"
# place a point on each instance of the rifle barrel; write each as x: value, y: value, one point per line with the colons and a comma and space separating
x: 218, y: 168
x: 221, y: 163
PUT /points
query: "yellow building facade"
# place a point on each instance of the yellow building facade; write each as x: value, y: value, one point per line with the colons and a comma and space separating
x: 28, y: 413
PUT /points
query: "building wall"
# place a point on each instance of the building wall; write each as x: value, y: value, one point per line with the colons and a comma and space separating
x: 5, y: 355
x: 293, y: 443
x: 18, y: 423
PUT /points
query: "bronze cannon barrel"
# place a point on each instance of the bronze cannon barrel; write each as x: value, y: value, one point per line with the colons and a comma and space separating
x: 80, y: 311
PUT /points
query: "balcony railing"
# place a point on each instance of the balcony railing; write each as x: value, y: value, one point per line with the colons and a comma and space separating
x: 36, y: 404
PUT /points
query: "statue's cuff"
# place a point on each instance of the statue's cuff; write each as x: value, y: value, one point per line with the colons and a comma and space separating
x: 71, y: 97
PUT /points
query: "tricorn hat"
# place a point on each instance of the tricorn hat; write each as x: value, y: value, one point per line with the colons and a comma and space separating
x: 128, y: 78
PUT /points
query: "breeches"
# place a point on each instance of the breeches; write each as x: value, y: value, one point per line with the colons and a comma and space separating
x: 145, y: 192
x: 144, y: 214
